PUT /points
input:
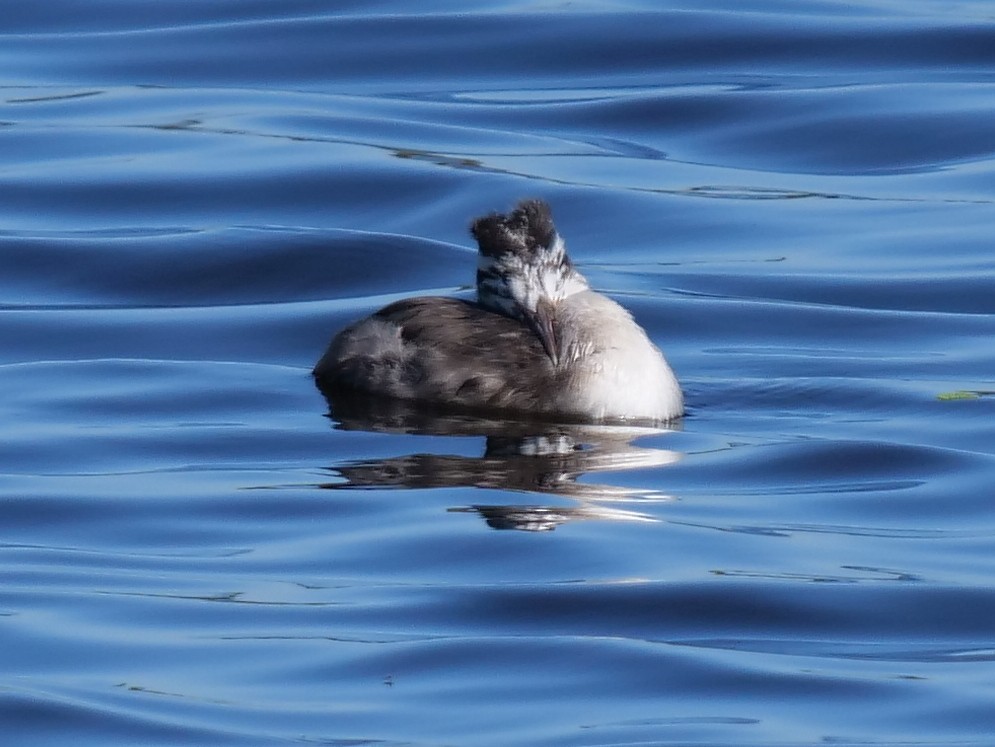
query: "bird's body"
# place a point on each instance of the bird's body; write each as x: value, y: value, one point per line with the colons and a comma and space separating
x: 538, y: 340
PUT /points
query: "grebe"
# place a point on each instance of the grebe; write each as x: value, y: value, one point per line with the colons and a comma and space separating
x: 537, y: 340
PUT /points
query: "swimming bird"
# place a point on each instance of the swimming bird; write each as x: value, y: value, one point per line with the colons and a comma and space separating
x: 537, y: 341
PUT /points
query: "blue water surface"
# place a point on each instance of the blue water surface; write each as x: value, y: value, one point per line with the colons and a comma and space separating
x: 795, y: 199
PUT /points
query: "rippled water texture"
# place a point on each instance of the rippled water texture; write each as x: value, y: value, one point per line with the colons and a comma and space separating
x: 794, y: 198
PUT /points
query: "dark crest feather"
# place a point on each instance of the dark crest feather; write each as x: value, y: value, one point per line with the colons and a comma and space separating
x: 528, y: 227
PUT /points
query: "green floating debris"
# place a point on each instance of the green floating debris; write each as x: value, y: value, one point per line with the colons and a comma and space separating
x: 963, y: 394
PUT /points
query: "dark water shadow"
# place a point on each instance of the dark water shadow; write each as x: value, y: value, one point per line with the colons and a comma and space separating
x: 532, y: 457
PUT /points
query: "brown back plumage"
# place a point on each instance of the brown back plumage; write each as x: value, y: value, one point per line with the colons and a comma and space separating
x: 444, y: 336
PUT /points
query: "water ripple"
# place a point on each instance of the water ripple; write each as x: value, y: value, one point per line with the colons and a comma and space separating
x: 792, y: 198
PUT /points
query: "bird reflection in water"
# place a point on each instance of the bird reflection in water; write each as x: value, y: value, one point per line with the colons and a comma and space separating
x: 527, y: 457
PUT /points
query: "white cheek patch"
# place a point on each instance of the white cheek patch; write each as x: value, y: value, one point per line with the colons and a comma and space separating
x: 559, y: 282
x: 524, y: 292
x: 574, y: 283
x: 514, y: 280
x: 558, y: 249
